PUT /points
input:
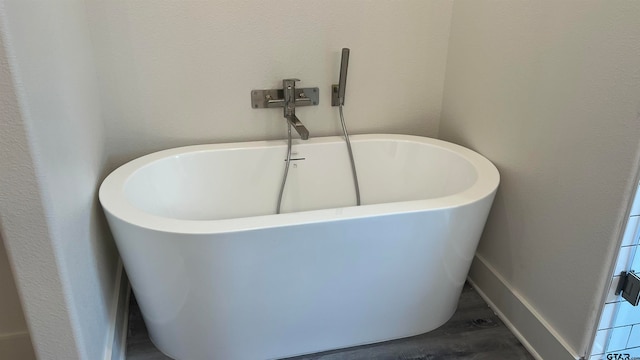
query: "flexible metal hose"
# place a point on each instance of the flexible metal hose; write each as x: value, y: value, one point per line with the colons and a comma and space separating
x: 353, y: 163
x: 286, y: 168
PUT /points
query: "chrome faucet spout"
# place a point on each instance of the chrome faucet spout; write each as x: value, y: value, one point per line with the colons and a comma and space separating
x: 298, y: 127
x: 289, y: 88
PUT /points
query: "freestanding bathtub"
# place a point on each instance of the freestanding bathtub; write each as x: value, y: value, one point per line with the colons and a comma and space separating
x: 218, y: 275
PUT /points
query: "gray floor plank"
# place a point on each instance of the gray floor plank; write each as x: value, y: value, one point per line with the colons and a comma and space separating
x: 473, y: 333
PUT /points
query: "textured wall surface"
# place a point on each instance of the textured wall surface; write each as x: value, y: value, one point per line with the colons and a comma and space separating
x: 24, y: 229
x: 180, y: 72
x: 550, y: 92
x: 14, y: 336
x: 54, y: 144
x: 11, y: 316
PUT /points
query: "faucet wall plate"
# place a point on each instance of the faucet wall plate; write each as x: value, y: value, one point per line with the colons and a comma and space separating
x: 335, y: 92
x: 274, y: 98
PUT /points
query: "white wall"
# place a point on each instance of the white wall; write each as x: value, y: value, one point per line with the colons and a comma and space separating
x: 14, y: 336
x: 550, y: 92
x: 53, y: 138
x: 180, y: 72
x: 24, y: 229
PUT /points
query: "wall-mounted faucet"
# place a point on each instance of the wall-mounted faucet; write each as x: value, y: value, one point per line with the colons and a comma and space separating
x: 289, y: 97
x: 289, y: 88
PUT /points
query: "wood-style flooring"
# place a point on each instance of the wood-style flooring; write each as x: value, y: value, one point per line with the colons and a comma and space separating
x: 473, y: 333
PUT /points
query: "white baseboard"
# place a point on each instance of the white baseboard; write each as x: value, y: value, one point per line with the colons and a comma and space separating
x: 533, y: 331
x: 117, y: 336
x: 16, y: 346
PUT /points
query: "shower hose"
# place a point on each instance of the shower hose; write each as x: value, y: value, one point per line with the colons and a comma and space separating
x: 353, y: 163
x: 286, y: 168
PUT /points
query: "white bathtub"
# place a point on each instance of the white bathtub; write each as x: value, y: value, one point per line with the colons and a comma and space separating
x: 218, y: 275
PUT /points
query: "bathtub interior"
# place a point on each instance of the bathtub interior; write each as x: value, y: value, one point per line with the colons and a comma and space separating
x: 242, y: 182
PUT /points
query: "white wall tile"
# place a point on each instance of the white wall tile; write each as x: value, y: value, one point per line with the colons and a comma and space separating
x: 600, y: 341
x: 633, y: 353
x: 631, y: 231
x: 636, y: 262
x: 624, y: 258
x: 606, y: 320
x: 635, y: 208
x: 619, y: 338
x: 627, y: 314
x: 634, y: 338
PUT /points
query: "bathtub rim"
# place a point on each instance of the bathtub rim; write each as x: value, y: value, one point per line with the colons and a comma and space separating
x: 114, y: 202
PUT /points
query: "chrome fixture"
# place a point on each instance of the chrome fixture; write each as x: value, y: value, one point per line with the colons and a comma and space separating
x: 337, y: 99
x: 289, y: 97
x: 629, y: 287
x: 289, y: 87
x: 338, y: 90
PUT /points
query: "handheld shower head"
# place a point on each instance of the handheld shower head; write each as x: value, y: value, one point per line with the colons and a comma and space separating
x: 342, y: 83
x: 338, y: 90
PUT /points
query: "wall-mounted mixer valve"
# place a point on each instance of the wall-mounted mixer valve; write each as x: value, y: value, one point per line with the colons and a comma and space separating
x: 289, y: 88
x: 289, y: 97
